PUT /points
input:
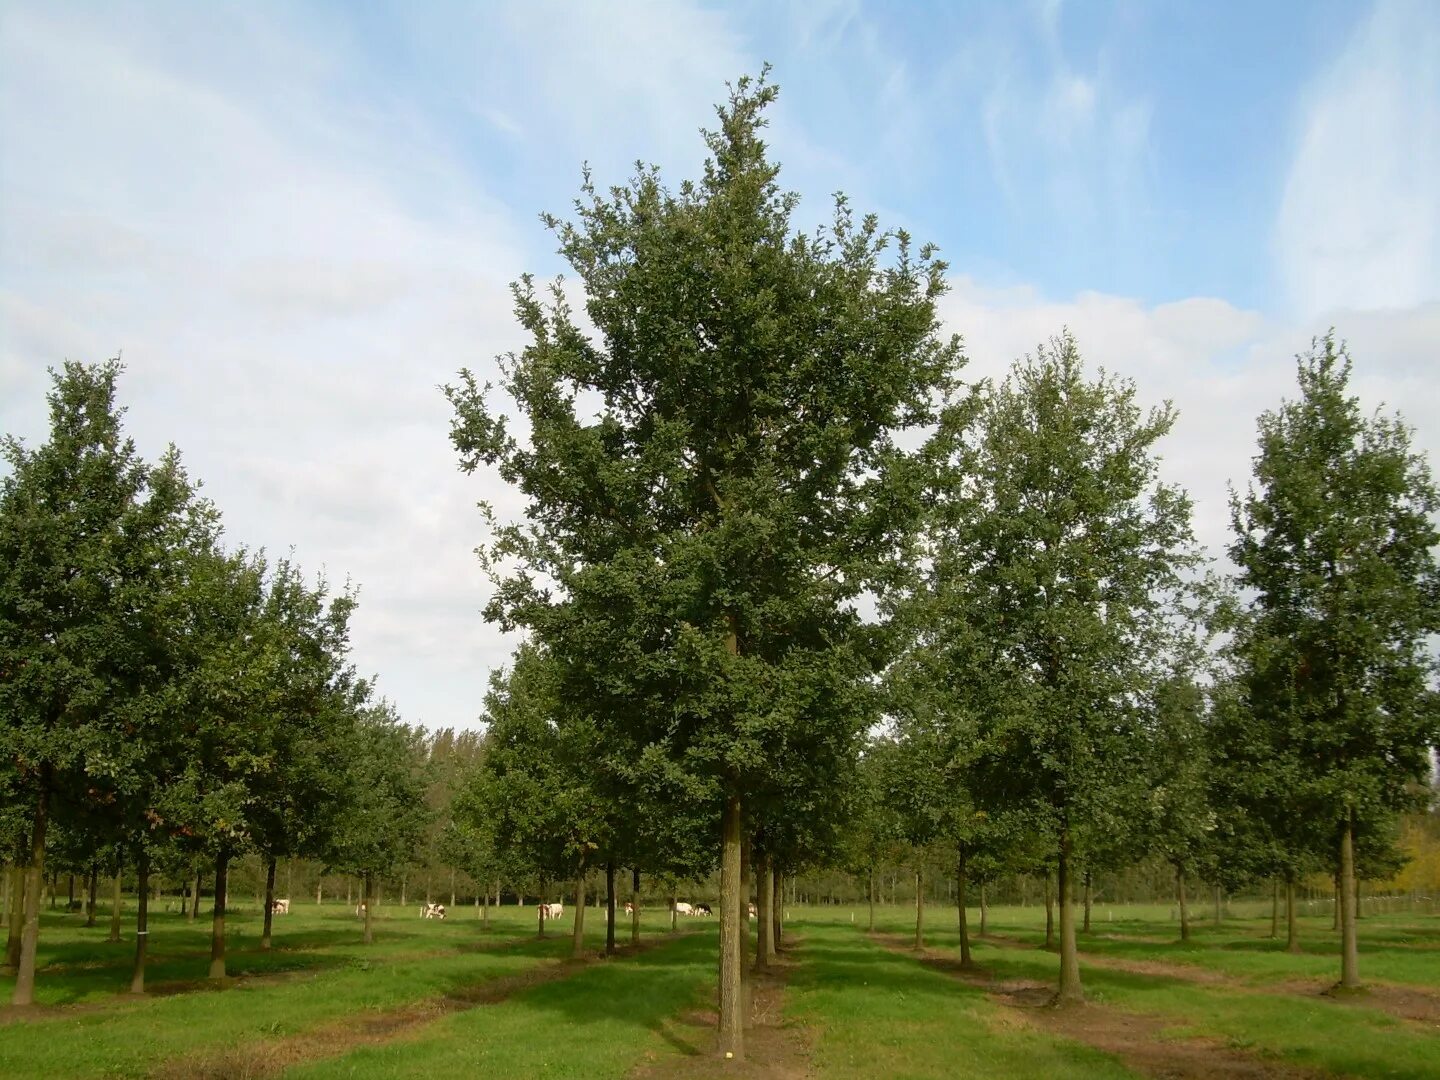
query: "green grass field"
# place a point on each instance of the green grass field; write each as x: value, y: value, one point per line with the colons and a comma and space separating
x: 440, y: 999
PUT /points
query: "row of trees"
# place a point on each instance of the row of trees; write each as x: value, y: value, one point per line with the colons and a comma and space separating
x: 167, y: 700
x: 765, y: 429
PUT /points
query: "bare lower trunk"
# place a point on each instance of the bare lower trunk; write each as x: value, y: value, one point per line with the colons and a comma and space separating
x: 1349, y: 948
x: 319, y: 890
x: 1049, y: 912
x: 369, y: 902
x: 984, y: 910
x: 30, y: 933
x: 777, y: 903
x: 1085, y: 929
x: 452, y: 888
x: 1070, y: 990
x: 1275, y: 908
x: 195, y: 905
x: 960, y: 882
x: 217, y: 922
x: 269, y: 903
x: 872, y: 899
x: 92, y: 899
x: 1180, y: 896
x: 635, y: 907
x: 142, y: 923
x: 115, y: 906
x: 765, y: 916
x: 610, y: 909
x: 485, y: 908
x: 919, y: 908
x: 732, y: 958
x: 544, y: 908
x: 1219, y: 907
x: 1292, y: 920
x: 577, y: 940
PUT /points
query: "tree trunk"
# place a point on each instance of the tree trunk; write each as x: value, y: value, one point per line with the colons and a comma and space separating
x: 217, y: 922
x: 1349, y: 948
x: 142, y: 922
x: 70, y: 895
x: 872, y: 899
x: 115, y: 906
x: 777, y: 912
x: 1180, y: 895
x: 732, y: 958
x: 1049, y: 912
x: 1292, y: 920
x: 484, y: 901
x: 960, y: 883
x: 195, y: 906
x: 92, y: 900
x: 269, y: 904
x: 577, y: 939
x: 984, y: 910
x: 452, y: 886
x: 369, y: 902
x: 1070, y: 991
x: 1086, y: 928
x: 319, y: 890
x: 765, y: 916
x: 404, y: 885
x: 1219, y: 907
x: 635, y: 907
x: 1275, y: 908
x: 543, y: 907
x: 17, y: 920
x: 610, y: 908
x: 919, y: 908
x: 34, y: 878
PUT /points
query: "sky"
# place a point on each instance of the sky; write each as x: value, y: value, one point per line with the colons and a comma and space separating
x: 295, y: 221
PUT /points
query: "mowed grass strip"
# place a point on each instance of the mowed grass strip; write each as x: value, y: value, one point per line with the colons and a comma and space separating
x: 873, y: 1013
x: 1305, y: 1029
x: 601, y: 1022
x: 335, y: 982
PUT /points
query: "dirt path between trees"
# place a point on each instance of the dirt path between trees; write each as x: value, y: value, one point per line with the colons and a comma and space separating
x: 774, y: 1050
x: 1140, y: 1041
x: 1417, y: 1005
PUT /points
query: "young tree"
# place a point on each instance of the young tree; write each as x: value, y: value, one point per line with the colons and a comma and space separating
x: 1069, y: 557
x: 1336, y: 537
x: 740, y: 474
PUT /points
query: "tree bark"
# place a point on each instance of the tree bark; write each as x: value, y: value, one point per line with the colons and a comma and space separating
x: 777, y: 912
x: 115, y: 906
x: 1070, y: 991
x: 269, y: 904
x: 919, y: 908
x: 577, y: 940
x: 142, y: 923
x: 1292, y: 920
x: 732, y: 913
x: 610, y: 908
x: 765, y: 916
x: 195, y: 906
x: 452, y: 887
x: 319, y: 889
x: 984, y: 910
x: 1049, y: 912
x: 872, y: 899
x: 368, y: 901
x: 1219, y: 907
x: 1275, y: 908
x: 217, y: 921
x: 92, y: 900
x: 1349, y: 946
x: 1180, y: 895
x: 1085, y: 929
x: 24, y: 993
x: 542, y: 906
x: 960, y: 883
x: 635, y: 907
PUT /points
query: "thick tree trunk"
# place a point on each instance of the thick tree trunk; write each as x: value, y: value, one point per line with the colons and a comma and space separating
x: 872, y: 899
x: 1085, y: 929
x: 1349, y: 946
x: 732, y: 916
x: 369, y: 901
x: 1049, y: 912
x: 92, y: 900
x: 217, y: 921
x: 960, y: 883
x: 919, y: 908
x: 269, y: 904
x: 1180, y: 896
x: 610, y: 908
x: 142, y: 923
x: 1275, y: 908
x: 16, y: 929
x: 195, y: 906
x: 577, y: 940
x: 984, y: 910
x: 635, y: 907
x: 115, y: 906
x: 1070, y: 990
x: 24, y: 993
x: 765, y: 916
x: 1292, y: 920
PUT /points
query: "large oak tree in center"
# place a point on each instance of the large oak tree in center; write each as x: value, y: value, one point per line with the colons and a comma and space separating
x: 721, y: 451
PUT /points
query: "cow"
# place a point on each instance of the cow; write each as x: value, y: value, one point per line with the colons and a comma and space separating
x: 703, y: 909
x: 279, y: 906
x: 682, y: 908
x: 554, y: 911
x: 629, y: 908
x: 433, y: 911
x: 360, y: 909
x: 750, y: 914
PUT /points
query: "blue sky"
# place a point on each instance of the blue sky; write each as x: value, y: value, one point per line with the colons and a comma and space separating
x: 297, y: 219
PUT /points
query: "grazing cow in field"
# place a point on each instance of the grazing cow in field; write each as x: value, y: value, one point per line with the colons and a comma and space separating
x: 360, y: 909
x: 629, y: 908
x: 682, y: 908
x: 703, y: 909
x: 554, y: 911
x: 433, y: 911
x: 279, y: 906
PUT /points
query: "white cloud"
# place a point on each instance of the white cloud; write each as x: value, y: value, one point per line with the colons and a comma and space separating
x: 1359, y: 221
